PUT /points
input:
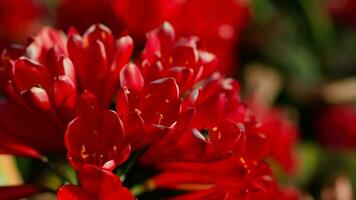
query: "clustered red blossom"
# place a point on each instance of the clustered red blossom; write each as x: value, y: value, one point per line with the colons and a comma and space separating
x: 218, y: 25
x: 186, y: 120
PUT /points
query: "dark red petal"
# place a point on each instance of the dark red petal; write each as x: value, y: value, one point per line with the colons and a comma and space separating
x: 96, y: 180
x: 152, y: 48
x: 22, y: 124
x: 208, y: 62
x: 65, y: 94
x: 166, y: 35
x: 18, y: 192
x: 122, y: 103
x: 38, y: 97
x: 66, y: 67
x: 73, y: 192
x: 123, y: 53
x: 131, y: 78
x: 48, y: 39
x: 185, y: 53
x: 14, y: 147
x: 98, y: 138
x: 88, y: 106
x: 121, y: 58
x: 27, y: 74
x: 96, y: 61
x: 96, y: 184
x: 259, y: 140
x: 99, y: 32
x: 123, y: 193
x: 183, y: 76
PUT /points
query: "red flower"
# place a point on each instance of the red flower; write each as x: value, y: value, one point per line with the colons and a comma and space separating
x: 190, y: 118
x: 37, y: 91
x: 96, y: 137
x: 196, y: 137
x: 42, y: 84
x: 95, y: 184
x: 148, y: 113
x: 218, y: 25
x: 185, y: 118
x: 166, y: 65
x: 164, y: 56
x: 98, y: 59
x: 282, y: 135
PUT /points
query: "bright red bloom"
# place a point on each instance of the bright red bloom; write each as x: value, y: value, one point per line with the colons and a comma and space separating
x: 42, y: 84
x: 166, y: 65
x: 37, y: 91
x: 165, y: 56
x: 185, y: 118
x: 218, y: 25
x: 96, y: 137
x: 98, y: 59
x: 190, y: 118
x: 95, y: 184
x: 196, y: 137
x: 148, y: 113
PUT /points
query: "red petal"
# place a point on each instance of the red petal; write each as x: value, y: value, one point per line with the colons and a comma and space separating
x: 18, y: 192
x: 27, y: 74
x: 97, y: 138
x: 38, y: 97
x: 73, y: 192
x: 123, y: 53
x: 131, y: 77
x: 166, y: 35
x: 185, y: 53
x: 97, y: 180
x: 13, y: 147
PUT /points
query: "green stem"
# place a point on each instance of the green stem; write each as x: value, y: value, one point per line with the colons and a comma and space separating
x: 130, y: 163
x: 141, y: 188
x: 59, y: 171
x: 138, y: 189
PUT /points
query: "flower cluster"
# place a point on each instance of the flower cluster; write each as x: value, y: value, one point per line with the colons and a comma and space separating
x: 217, y: 24
x: 168, y: 110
